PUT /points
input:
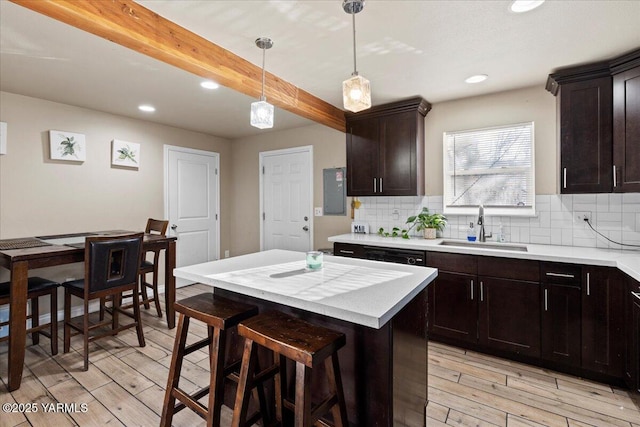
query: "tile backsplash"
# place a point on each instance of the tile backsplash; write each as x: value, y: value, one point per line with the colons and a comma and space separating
x: 616, y: 216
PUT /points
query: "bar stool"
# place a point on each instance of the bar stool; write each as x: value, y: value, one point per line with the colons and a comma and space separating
x: 307, y: 345
x: 37, y: 287
x: 220, y: 315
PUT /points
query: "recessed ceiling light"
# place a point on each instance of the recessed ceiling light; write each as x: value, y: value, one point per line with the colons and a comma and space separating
x: 146, y: 108
x: 477, y: 78
x: 520, y: 6
x: 208, y: 84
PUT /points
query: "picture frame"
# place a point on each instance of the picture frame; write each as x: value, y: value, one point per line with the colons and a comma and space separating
x: 67, y: 146
x: 124, y: 153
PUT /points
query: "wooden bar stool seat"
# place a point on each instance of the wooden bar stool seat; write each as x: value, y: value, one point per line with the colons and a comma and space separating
x: 305, y: 344
x: 220, y: 315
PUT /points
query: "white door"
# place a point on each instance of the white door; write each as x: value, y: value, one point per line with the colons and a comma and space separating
x: 192, y: 202
x: 286, y: 197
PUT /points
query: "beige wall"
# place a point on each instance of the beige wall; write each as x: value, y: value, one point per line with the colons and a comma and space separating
x: 328, y: 151
x: 515, y: 106
x: 40, y: 196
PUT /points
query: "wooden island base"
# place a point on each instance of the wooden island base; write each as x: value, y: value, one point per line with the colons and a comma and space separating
x: 384, y: 370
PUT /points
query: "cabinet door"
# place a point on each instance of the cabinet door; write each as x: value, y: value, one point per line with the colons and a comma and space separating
x: 626, y: 130
x: 399, y: 155
x: 453, y: 309
x: 635, y: 355
x: 561, y: 324
x: 586, y: 136
x: 603, y: 321
x: 632, y: 362
x: 362, y: 157
x: 510, y: 315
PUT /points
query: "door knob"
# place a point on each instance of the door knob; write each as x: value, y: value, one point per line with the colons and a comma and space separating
x: 306, y: 218
x: 305, y: 228
x: 173, y: 226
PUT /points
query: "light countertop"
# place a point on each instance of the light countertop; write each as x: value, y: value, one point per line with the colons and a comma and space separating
x: 367, y: 293
x: 627, y: 261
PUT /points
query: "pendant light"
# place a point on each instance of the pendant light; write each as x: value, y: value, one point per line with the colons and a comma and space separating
x: 356, y: 91
x: 262, y: 111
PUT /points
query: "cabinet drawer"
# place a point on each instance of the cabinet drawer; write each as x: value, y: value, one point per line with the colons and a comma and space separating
x: 509, y: 268
x: 457, y: 263
x: 561, y: 274
x: 348, y: 250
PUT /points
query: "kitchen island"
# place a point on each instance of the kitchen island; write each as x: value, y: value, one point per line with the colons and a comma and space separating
x: 380, y: 307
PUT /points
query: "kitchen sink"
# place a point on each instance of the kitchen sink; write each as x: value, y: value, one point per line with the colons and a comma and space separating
x: 485, y: 245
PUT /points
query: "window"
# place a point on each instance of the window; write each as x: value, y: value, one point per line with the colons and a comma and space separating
x: 493, y: 167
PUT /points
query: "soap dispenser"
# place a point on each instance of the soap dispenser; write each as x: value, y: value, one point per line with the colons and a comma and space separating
x: 471, y: 233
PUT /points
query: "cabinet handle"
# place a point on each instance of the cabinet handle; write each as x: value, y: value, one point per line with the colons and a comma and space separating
x: 344, y: 251
x: 564, y: 177
x: 615, y: 180
x: 636, y: 294
x: 546, y: 300
x: 588, y: 284
x: 481, y: 291
x: 472, y: 290
x: 374, y: 185
x: 567, y: 276
x: 381, y: 185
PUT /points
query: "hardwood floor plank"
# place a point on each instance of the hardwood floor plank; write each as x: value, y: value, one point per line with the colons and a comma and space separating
x: 499, y: 401
x: 513, y: 421
x: 597, y: 408
x: 124, y: 375
x: 437, y: 412
x: 456, y: 418
x: 542, y: 402
x: 96, y: 413
x: 445, y: 396
x: 461, y: 367
x: 127, y: 409
x: 32, y: 391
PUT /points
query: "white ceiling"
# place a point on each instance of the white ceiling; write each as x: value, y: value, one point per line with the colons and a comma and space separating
x: 404, y: 48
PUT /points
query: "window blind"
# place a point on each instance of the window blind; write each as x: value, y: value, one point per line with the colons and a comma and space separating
x: 490, y: 166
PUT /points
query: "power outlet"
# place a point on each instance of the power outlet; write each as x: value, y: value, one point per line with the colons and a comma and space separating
x: 580, y: 216
x: 226, y: 253
x: 317, y: 211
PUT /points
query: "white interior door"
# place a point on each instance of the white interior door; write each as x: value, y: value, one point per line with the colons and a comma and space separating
x: 286, y: 199
x: 192, y: 204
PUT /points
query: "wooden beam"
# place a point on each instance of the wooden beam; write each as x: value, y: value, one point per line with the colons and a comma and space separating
x: 131, y: 25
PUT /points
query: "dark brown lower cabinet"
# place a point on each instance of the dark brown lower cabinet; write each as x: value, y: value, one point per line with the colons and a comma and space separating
x: 603, y: 297
x: 509, y: 316
x: 561, y: 325
x: 453, y: 308
x: 632, y: 364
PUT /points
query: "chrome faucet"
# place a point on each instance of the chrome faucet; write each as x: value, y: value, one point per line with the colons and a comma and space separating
x: 482, y: 237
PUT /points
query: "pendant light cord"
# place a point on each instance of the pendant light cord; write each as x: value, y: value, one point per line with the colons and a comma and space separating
x: 262, y: 98
x: 353, y: 19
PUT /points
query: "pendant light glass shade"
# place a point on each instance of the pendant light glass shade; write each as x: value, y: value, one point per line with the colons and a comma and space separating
x: 261, y: 111
x: 356, y: 91
x: 261, y: 114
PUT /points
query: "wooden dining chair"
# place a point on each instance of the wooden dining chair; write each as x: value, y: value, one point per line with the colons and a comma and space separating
x: 154, y: 226
x: 111, y: 265
x: 37, y: 287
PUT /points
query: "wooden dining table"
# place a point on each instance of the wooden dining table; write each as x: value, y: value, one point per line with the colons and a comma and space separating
x: 24, y: 254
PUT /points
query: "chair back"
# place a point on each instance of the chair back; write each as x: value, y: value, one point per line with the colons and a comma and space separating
x: 156, y: 226
x: 112, y: 261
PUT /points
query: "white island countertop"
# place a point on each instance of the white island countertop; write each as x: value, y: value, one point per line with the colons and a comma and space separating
x: 363, y: 292
x: 627, y: 261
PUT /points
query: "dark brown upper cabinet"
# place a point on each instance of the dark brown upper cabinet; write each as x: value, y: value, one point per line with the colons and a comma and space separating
x: 626, y: 123
x: 599, y: 125
x: 385, y: 149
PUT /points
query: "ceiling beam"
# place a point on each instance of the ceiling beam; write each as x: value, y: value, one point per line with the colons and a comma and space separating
x: 131, y: 25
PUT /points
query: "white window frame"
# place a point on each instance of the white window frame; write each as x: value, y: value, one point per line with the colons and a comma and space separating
x: 528, y: 211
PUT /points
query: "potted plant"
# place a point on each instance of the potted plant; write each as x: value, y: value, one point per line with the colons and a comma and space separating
x: 427, y: 222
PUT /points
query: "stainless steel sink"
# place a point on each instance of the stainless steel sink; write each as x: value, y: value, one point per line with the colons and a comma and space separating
x: 485, y: 245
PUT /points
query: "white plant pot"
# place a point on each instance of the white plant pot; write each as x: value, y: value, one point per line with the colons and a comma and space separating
x: 429, y: 233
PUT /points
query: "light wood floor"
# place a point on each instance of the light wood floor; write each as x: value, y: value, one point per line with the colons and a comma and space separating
x: 125, y: 386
